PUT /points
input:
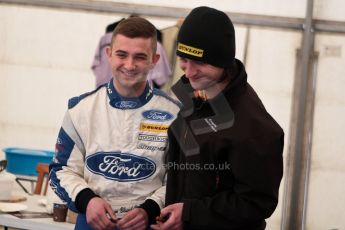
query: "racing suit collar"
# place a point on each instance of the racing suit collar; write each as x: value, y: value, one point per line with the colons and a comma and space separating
x: 120, y: 102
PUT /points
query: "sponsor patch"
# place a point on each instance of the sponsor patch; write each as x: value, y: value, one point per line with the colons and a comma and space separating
x: 157, y: 115
x: 190, y: 50
x: 143, y: 137
x: 120, y: 167
x: 151, y: 148
x: 153, y: 128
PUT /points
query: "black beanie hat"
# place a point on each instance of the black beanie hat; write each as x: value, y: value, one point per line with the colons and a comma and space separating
x: 207, y: 35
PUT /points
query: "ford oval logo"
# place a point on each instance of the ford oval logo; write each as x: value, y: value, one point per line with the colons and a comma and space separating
x: 121, y: 167
x: 157, y: 115
x: 126, y: 104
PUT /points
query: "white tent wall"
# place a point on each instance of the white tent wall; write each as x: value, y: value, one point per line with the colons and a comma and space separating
x: 270, y: 66
x: 46, y: 54
x: 326, y: 200
x: 329, y: 10
x: 292, y: 8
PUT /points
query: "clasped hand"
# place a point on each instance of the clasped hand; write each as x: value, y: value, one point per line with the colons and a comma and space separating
x: 100, y: 216
x: 170, y: 218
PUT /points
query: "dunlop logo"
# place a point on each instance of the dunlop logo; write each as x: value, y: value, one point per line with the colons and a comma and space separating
x: 153, y: 128
x: 190, y: 50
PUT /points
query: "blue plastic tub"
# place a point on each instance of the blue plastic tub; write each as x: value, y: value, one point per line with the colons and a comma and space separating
x: 24, y: 161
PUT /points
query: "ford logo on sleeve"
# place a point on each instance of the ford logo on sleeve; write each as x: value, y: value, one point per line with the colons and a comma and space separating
x: 121, y: 167
x: 157, y: 115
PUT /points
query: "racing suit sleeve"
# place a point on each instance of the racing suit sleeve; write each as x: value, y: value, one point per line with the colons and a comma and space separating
x: 66, y: 170
x: 248, y: 194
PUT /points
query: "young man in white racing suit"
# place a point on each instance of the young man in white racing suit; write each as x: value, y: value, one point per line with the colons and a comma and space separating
x: 108, y: 159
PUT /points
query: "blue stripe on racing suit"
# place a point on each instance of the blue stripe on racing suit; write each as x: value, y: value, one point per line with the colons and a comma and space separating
x: 63, y: 149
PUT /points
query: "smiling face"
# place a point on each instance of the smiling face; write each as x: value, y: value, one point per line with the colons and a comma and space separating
x: 131, y: 59
x: 203, y: 76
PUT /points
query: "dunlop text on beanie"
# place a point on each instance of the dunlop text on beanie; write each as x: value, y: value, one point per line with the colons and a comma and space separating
x: 207, y: 35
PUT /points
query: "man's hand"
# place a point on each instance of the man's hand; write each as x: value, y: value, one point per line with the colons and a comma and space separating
x: 100, y: 215
x: 173, y: 216
x: 135, y: 219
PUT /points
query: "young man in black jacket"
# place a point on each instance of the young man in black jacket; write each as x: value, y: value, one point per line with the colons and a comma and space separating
x: 224, y: 160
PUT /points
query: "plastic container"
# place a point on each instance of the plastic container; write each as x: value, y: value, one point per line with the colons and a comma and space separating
x: 24, y: 161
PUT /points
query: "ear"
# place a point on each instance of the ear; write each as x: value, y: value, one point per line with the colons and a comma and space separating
x: 155, y: 58
x: 108, y: 51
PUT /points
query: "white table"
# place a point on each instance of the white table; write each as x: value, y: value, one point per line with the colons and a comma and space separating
x: 32, y: 202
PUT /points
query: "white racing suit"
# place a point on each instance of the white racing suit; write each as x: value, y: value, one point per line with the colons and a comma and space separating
x: 113, y: 146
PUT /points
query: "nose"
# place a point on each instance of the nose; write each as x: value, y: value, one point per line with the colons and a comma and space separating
x: 130, y: 64
x: 189, y: 69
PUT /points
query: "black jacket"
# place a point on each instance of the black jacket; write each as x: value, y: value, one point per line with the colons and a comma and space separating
x: 225, y: 166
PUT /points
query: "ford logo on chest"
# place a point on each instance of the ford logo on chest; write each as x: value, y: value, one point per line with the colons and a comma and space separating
x: 121, y: 167
x: 157, y: 115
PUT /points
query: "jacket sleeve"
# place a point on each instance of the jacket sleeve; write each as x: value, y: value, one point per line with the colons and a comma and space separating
x: 66, y: 169
x: 248, y: 192
x: 156, y: 201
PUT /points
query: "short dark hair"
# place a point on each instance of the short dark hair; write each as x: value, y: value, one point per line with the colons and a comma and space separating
x: 136, y: 27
